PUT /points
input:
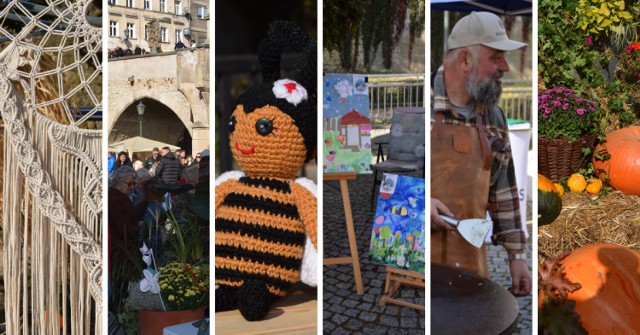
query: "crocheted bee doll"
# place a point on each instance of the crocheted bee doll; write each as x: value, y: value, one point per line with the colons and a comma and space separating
x: 266, y: 219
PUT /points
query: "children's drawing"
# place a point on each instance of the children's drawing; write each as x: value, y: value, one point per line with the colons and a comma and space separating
x: 347, y: 124
x: 397, y: 237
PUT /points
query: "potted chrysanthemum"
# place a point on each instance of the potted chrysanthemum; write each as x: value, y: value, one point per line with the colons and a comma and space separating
x: 568, y: 125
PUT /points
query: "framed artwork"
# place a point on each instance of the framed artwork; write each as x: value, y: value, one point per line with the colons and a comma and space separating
x: 397, y: 237
x: 346, y: 124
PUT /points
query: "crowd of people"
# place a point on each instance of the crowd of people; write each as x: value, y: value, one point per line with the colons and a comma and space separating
x: 120, y: 52
x: 168, y: 166
x: 127, y: 51
x: 141, y: 195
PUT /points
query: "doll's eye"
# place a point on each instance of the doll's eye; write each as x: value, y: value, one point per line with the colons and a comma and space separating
x: 232, y: 124
x: 264, y: 126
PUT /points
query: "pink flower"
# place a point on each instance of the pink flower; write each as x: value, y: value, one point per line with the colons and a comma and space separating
x: 580, y: 111
x: 589, y: 40
x: 628, y: 48
x: 565, y: 106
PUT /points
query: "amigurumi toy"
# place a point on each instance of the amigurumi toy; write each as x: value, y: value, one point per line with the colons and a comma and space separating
x: 266, y: 219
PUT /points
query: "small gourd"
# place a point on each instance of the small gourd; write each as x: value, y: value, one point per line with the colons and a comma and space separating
x: 577, y: 183
x: 594, y: 186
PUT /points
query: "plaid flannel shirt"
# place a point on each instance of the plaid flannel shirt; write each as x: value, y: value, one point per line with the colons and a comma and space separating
x: 504, y: 202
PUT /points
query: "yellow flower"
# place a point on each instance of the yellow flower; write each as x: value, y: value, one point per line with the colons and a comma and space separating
x: 171, y: 298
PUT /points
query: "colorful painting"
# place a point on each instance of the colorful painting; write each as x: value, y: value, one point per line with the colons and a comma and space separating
x: 346, y: 124
x: 397, y: 237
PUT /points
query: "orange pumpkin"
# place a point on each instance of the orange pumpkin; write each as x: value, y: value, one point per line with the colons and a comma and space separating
x: 623, y: 168
x: 609, y: 300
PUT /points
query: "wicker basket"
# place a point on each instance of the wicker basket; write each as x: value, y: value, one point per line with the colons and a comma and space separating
x: 558, y: 159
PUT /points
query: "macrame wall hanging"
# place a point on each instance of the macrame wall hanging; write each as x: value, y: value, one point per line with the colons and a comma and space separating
x: 50, y: 66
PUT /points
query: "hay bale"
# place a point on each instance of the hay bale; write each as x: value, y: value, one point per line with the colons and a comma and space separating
x: 613, y: 218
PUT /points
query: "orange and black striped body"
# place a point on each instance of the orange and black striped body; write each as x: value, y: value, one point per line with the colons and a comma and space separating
x: 259, y: 235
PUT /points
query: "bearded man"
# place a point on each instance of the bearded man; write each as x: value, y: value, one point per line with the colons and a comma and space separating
x: 471, y: 163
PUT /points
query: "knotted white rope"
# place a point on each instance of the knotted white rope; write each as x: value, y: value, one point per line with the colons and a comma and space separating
x: 52, y: 206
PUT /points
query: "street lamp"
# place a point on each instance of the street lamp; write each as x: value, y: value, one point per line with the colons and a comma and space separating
x: 140, y: 108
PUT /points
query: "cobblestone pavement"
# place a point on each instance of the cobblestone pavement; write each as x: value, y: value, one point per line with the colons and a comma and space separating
x: 345, y: 312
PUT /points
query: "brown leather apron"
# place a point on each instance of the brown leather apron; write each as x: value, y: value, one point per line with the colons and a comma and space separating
x: 460, y: 176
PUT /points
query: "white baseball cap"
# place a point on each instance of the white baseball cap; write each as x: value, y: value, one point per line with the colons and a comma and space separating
x: 481, y: 28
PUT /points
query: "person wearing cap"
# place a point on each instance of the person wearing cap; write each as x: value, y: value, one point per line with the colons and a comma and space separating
x: 472, y: 169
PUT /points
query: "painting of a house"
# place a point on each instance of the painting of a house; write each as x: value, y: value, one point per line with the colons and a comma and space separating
x: 356, y: 128
x: 346, y: 124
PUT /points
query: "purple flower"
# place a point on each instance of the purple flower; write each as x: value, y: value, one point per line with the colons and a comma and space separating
x: 628, y: 48
x: 580, y: 111
x: 565, y: 106
x: 557, y: 104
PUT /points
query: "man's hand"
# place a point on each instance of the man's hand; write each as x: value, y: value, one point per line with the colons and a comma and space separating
x: 436, y: 221
x: 520, y: 278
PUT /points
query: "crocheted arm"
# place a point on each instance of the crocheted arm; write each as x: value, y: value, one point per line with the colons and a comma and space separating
x: 224, y: 184
x: 305, y: 193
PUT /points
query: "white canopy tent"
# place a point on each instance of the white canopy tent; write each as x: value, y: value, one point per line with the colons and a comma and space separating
x: 139, y: 144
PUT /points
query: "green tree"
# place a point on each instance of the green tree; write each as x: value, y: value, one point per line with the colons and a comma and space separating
x: 385, y: 233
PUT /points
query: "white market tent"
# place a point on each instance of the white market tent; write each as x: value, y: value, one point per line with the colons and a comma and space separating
x: 139, y: 144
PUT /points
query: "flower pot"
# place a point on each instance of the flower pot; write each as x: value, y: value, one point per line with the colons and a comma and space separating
x: 558, y: 159
x: 153, y: 322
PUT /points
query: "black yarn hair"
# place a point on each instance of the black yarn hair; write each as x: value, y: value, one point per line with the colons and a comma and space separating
x: 286, y: 36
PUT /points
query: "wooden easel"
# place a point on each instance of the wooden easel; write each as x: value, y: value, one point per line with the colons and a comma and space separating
x: 397, y: 277
x: 353, y: 259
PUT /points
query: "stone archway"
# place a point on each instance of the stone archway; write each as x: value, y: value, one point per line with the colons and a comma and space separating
x: 160, y: 123
x: 123, y: 97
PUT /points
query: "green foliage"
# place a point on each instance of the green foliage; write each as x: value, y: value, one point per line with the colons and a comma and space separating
x: 129, y: 320
x: 341, y: 23
x: 416, y: 21
x: 596, y: 16
x: 565, y: 57
x: 601, y: 67
x: 378, y: 24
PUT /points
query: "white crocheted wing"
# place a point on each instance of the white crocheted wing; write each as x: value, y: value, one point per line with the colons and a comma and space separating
x: 309, y: 268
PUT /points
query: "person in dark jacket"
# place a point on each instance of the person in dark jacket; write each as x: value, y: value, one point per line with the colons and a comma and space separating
x: 179, y: 45
x: 169, y: 167
x: 123, y: 160
x: 155, y: 157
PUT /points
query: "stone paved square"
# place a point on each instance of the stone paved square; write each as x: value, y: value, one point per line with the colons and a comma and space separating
x: 340, y: 298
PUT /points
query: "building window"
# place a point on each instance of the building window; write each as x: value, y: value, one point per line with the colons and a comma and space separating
x: 164, y: 34
x: 178, y: 7
x: 129, y: 3
x: 202, y: 12
x: 130, y: 31
x: 113, y: 28
x: 147, y: 4
x: 112, y: 2
x: 163, y: 6
x: 146, y: 33
x: 178, y: 35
